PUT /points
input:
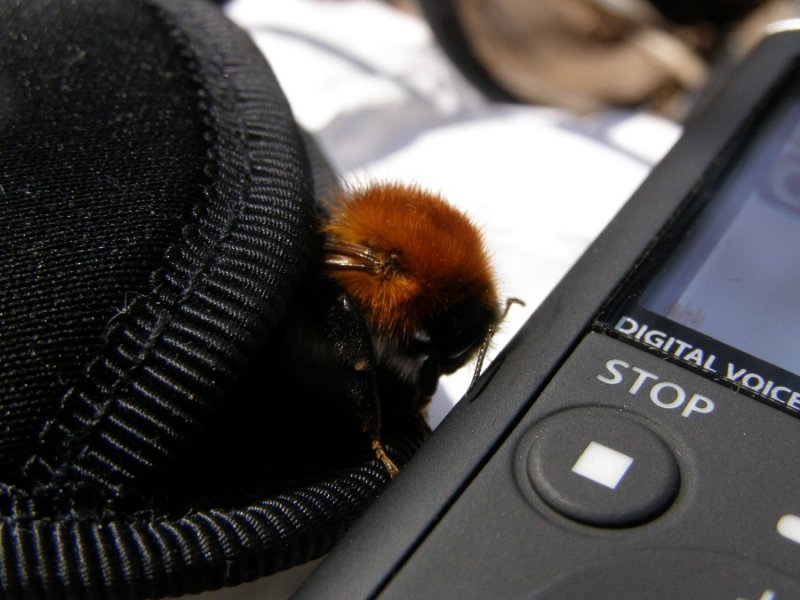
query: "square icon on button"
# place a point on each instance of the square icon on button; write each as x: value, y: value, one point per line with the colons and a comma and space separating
x: 602, y: 465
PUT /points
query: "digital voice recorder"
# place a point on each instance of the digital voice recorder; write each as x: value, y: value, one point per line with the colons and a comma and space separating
x: 640, y: 436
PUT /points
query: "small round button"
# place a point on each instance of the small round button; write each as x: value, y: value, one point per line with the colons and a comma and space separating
x: 601, y: 467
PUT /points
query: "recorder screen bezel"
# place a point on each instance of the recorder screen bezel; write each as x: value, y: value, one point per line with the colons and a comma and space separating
x: 631, y: 315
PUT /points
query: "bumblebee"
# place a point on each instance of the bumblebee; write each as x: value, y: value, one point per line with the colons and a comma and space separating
x: 402, y: 282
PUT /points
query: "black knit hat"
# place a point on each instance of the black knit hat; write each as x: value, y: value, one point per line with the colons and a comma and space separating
x: 156, y: 204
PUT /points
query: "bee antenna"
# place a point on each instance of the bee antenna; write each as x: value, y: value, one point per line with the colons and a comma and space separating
x: 487, y: 340
x: 509, y: 302
x: 481, y: 355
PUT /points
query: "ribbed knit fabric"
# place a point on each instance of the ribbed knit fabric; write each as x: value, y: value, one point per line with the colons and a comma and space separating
x: 156, y: 206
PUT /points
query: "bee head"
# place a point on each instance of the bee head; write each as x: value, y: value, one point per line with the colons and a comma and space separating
x: 416, y: 266
x: 457, y: 334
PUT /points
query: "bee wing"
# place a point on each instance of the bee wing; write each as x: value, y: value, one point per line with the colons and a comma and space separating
x: 341, y: 255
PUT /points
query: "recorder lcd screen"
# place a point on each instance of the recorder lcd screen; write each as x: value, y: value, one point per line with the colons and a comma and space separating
x: 725, y: 297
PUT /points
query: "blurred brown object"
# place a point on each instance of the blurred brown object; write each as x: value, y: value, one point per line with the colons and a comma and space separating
x: 585, y: 55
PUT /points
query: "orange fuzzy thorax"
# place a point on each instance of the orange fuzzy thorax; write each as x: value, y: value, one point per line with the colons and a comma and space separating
x: 430, y: 256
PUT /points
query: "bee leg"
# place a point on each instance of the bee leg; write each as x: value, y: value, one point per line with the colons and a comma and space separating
x: 348, y: 335
x: 381, y: 455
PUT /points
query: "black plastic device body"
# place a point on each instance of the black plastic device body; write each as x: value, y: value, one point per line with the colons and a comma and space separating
x: 597, y: 458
